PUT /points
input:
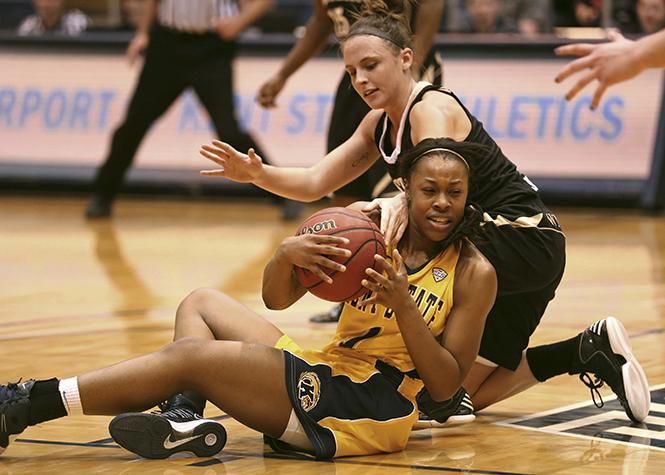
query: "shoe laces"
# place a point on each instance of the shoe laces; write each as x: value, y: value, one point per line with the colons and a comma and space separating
x: 176, y: 414
x: 593, y: 385
x: 9, y: 393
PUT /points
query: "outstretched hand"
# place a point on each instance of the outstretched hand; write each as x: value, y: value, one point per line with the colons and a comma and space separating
x: 609, y: 63
x: 234, y: 165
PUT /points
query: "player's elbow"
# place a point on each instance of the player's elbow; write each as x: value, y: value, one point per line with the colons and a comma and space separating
x: 273, y: 302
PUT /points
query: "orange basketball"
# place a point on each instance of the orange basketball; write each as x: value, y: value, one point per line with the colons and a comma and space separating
x: 365, y: 240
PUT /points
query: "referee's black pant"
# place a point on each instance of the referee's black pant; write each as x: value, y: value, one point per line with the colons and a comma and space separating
x: 173, y: 62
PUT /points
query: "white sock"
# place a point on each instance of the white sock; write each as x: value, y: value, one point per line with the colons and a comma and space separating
x: 69, y: 392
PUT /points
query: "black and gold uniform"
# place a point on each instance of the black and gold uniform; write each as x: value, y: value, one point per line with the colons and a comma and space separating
x: 520, y: 236
x: 356, y: 396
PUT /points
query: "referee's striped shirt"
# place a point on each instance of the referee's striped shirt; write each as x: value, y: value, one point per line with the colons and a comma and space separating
x: 194, y: 16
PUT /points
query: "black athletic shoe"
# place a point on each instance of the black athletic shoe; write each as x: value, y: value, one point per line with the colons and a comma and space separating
x: 432, y: 414
x: 292, y: 210
x: 159, y: 435
x: 606, y: 352
x: 14, y: 409
x: 328, y: 317
x: 99, y: 207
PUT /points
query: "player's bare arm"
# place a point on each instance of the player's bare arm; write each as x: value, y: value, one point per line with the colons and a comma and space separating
x: 339, y: 167
x: 281, y: 288
x: 427, y: 21
x: 317, y: 31
x: 473, y: 295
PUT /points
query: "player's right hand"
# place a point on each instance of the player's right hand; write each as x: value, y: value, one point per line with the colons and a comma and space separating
x: 234, y: 165
x: 269, y: 91
x: 313, y: 251
x: 608, y: 63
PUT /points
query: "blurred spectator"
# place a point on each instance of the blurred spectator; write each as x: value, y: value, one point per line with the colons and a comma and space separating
x: 51, y: 17
x: 624, y: 17
x: 577, y: 13
x: 531, y: 16
x: 485, y: 16
x: 587, y: 12
x: 650, y: 15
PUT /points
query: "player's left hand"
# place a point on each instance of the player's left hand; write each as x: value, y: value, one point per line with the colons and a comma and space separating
x: 390, y: 289
x: 234, y: 165
x: 394, y: 216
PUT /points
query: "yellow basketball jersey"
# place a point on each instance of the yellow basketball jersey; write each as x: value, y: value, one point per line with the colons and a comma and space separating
x: 373, y: 329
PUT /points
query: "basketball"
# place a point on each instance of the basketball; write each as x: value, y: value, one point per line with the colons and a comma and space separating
x: 365, y: 240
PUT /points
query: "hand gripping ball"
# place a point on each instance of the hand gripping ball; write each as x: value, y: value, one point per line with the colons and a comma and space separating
x: 365, y: 240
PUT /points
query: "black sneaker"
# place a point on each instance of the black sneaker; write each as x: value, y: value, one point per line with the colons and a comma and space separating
x: 328, y: 317
x: 14, y: 409
x: 605, y: 351
x: 159, y: 435
x: 99, y: 207
x: 292, y: 209
x: 434, y: 415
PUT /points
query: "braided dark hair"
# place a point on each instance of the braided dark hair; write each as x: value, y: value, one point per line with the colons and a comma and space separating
x: 473, y: 215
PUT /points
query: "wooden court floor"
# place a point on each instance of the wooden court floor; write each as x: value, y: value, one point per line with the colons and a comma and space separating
x: 77, y: 295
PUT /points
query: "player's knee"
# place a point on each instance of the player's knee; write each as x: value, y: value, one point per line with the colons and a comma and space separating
x: 182, y: 352
x: 197, y: 300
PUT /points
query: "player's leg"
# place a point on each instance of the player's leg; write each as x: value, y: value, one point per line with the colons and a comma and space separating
x: 244, y: 379
x: 194, y: 364
x: 208, y: 314
x: 488, y: 385
x: 603, y: 349
x: 211, y: 314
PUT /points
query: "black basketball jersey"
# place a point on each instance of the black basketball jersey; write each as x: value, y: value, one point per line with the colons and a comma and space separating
x: 497, y: 184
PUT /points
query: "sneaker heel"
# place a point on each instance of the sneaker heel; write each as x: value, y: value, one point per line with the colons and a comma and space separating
x: 619, y: 339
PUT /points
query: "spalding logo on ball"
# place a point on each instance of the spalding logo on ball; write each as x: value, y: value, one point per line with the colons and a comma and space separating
x: 365, y: 240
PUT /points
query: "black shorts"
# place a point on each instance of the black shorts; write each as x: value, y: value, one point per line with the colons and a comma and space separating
x: 528, y: 254
x: 347, y: 405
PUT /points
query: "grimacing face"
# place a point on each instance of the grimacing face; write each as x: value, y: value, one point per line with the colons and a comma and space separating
x: 437, y: 191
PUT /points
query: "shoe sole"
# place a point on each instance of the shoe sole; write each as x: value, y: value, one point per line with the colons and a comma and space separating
x: 10, y: 439
x: 635, y: 381
x: 451, y: 421
x: 151, y: 436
